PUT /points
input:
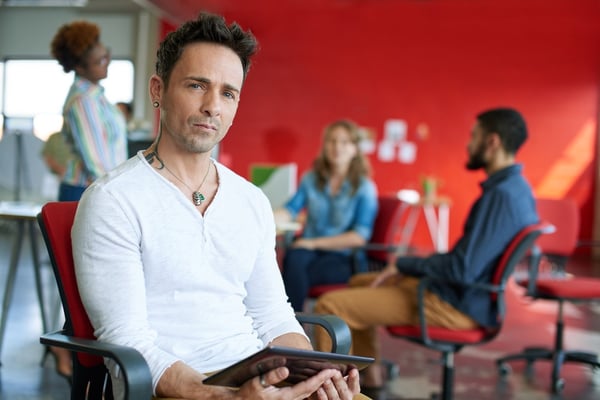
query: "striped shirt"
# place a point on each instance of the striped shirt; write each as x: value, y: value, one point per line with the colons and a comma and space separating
x: 97, y: 131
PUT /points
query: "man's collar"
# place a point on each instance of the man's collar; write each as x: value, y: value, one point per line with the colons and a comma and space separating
x: 498, y: 176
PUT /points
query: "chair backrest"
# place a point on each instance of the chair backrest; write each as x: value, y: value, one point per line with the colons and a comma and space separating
x: 56, y: 220
x: 518, y: 247
x: 440, y: 338
x: 564, y: 215
x: 386, y: 225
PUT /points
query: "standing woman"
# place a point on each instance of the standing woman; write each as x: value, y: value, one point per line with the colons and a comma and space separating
x: 95, y: 128
x: 340, y: 202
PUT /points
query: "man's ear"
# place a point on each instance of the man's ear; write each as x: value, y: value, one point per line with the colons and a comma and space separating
x: 493, y: 140
x: 155, y: 87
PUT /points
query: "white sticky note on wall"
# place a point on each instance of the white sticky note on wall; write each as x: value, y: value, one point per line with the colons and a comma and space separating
x: 386, y: 151
x: 407, y: 152
x: 395, y: 130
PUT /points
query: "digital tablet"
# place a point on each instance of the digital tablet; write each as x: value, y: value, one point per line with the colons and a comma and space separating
x: 301, y: 363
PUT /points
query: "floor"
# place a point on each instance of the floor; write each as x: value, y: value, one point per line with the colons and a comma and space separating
x: 23, y: 377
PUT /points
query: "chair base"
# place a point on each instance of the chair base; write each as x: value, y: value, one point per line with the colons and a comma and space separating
x: 558, y: 358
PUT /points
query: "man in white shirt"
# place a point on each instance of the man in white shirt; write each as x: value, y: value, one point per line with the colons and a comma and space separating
x: 174, y: 252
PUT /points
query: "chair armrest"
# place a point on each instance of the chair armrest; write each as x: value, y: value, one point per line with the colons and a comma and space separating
x: 390, y: 248
x: 337, y: 329
x: 138, y: 380
x: 535, y: 257
x: 425, y: 282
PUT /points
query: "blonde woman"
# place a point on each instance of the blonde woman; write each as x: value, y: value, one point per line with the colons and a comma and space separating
x: 340, y: 203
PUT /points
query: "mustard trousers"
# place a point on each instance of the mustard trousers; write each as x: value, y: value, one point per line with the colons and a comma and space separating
x: 364, y: 308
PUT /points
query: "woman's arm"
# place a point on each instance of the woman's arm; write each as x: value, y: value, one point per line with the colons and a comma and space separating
x: 362, y: 228
x: 338, y: 242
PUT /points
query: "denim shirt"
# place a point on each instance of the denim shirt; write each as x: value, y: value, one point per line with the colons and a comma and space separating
x: 505, y: 207
x: 330, y: 215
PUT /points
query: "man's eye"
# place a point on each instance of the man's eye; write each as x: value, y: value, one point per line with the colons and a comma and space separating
x: 229, y: 95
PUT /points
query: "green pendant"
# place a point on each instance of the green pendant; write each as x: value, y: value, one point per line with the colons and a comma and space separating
x: 198, y: 198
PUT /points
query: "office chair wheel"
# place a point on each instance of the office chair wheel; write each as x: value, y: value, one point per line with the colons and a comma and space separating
x: 504, y: 369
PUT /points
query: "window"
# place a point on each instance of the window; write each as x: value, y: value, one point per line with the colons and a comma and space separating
x: 1, y: 98
x: 37, y: 89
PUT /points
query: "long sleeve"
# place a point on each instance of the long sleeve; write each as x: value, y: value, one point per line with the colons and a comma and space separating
x: 98, y: 152
x: 97, y: 131
x: 505, y: 207
x: 330, y: 214
x: 158, y: 276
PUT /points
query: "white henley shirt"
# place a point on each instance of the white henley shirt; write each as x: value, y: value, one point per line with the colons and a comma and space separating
x: 156, y: 275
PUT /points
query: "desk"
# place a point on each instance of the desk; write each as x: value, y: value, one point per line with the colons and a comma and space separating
x: 24, y: 214
x: 437, y: 212
x: 287, y: 227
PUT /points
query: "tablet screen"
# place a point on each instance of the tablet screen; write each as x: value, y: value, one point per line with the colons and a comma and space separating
x: 302, y: 364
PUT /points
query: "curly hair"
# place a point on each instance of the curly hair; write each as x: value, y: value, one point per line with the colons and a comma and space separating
x: 209, y: 28
x: 72, y: 42
x: 359, y: 166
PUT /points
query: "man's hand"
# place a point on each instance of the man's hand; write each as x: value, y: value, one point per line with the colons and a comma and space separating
x: 327, y: 384
x: 389, y: 274
x: 339, y: 387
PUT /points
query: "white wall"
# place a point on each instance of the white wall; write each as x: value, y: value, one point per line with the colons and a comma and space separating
x: 27, y: 32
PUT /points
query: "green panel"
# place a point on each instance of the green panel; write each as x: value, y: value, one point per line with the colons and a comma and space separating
x: 259, y: 174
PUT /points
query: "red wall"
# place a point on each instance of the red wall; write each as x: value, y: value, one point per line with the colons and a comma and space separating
x: 437, y: 62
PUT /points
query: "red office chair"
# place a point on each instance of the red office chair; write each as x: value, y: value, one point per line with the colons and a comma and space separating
x: 382, y: 241
x: 557, y: 286
x: 451, y: 341
x: 90, y: 378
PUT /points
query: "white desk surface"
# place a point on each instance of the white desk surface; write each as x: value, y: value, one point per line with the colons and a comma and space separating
x: 290, y: 226
x: 19, y: 209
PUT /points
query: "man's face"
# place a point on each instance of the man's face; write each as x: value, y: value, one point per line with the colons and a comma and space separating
x: 200, y: 102
x: 477, y: 149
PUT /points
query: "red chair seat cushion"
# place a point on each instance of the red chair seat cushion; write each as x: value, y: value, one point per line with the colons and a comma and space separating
x: 317, y: 291
x: 442, y: 334
x: 574, y: 287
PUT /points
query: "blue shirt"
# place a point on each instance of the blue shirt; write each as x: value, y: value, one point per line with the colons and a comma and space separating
x: 505, y: 207
x: 330, y: 215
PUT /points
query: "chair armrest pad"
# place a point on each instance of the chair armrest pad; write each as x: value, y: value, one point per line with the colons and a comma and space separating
x: 337, y: 329
x: 138, y: 380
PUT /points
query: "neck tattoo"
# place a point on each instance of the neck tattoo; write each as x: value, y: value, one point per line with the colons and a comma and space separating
x: 197, y: 196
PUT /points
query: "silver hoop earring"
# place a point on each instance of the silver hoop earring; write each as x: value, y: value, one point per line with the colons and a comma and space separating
x: 155, y: 104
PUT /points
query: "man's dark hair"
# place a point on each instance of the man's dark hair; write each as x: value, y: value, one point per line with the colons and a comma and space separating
x: 209, y: 28
x: 508, y: 123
